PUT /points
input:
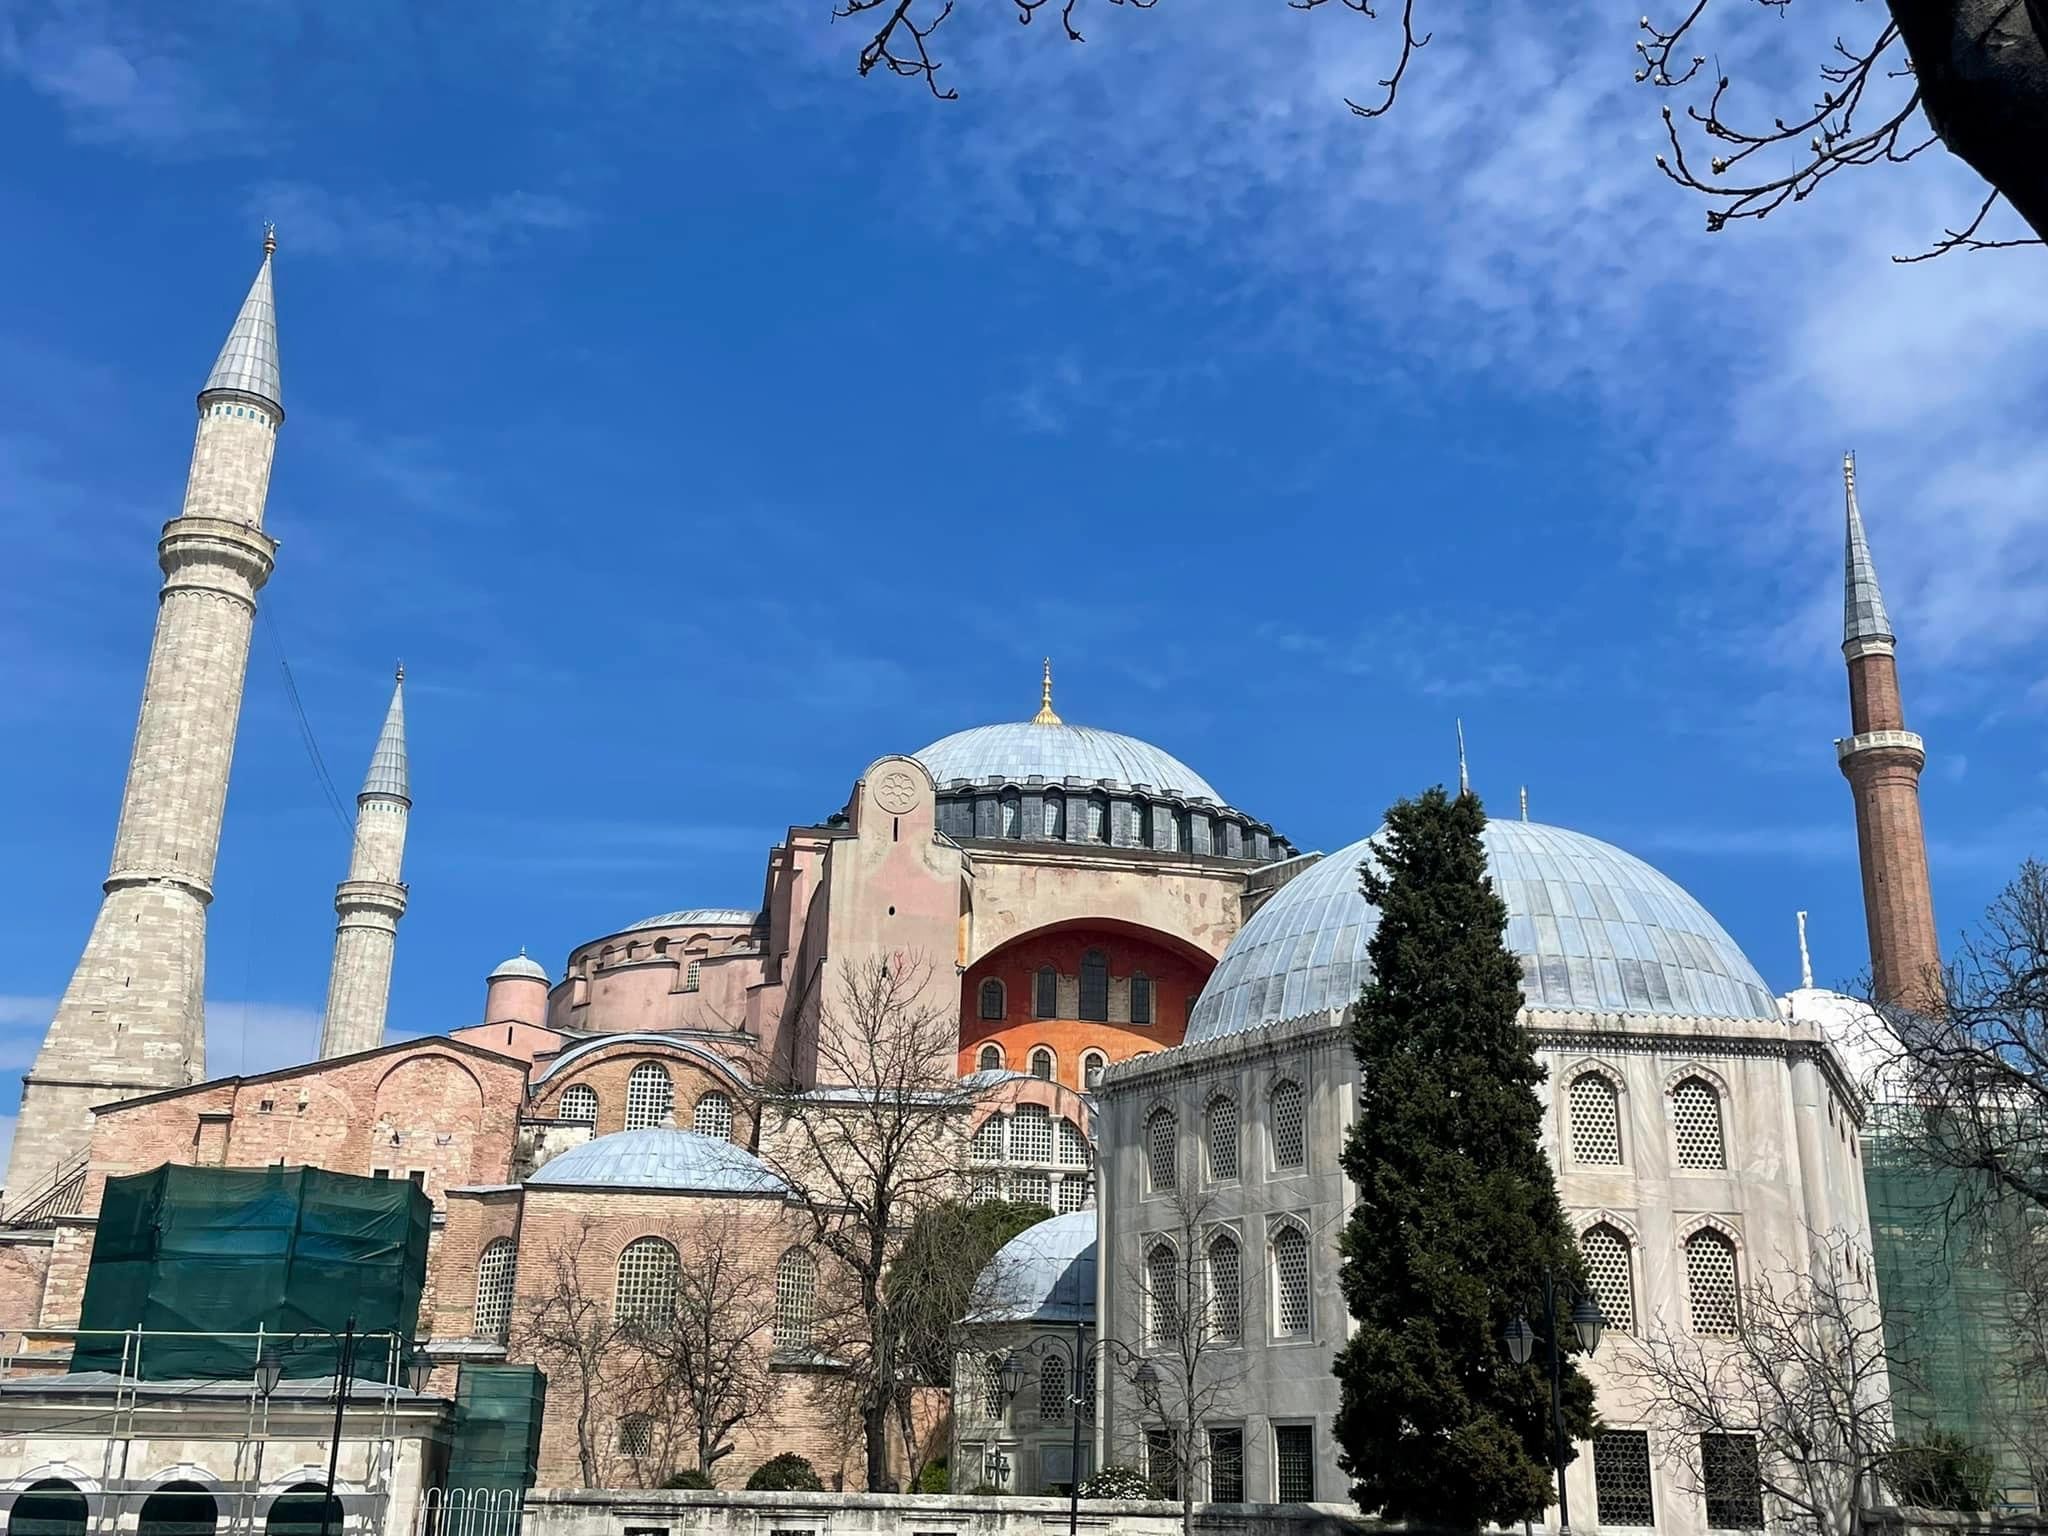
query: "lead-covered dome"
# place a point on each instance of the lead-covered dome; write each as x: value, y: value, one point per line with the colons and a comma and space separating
x: 1596, y: 929
x: 1045, y: 1274
x: 1055, y: 753
x: 660, y: 1157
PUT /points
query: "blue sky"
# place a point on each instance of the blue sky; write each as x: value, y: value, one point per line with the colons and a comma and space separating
x: 700, y: 422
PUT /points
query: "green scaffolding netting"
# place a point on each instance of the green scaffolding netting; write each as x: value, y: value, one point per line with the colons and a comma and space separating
x: 198, y: 1256
x: 497, y: 1427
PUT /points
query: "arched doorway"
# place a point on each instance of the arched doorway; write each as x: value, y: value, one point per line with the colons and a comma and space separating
x: 304, y: 1510
x: 48, y: 1507
x: 179, y: 1509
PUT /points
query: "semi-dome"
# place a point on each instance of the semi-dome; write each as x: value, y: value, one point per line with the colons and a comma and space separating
x: 660, y: 1157
x: 704, y: 917
x: 519, y: 966
x: 1596, y: 929
x: 1057, y: 752
x: 1045, y: 1274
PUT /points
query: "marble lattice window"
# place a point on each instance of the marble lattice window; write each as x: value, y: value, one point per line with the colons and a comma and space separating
x: 1073, y: 1194
x: 1031, y: 1189
x: 636, y: 1434
x: 650, y: 1096
x: 647, y: 1282
x: 1073, y: 1145
x: 796, y: 1299
x: 1732, y: 1481
x: 1031, y: 1134
x: 1219, y: 1137
x: 494, y: 1270
x: 1621, y: 1478
x: 1052, y: 1389
x: 1711, y: 1282
x: 1696, y: 1125
x: 1162, y: 1296
x: 986, y: 1189
x: 1290, y: 1282
x: 713, y: 1116
x: 578, y: 1105
x: 1160, y: 1136
x: 1290, y: 1148
x: 1596, y: 1120
x: 1226, y: 1289
x: 987, y: 1146
x: 1609, y: 1275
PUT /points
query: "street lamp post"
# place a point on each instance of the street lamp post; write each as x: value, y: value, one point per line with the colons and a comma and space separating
x: 1587, y: 1321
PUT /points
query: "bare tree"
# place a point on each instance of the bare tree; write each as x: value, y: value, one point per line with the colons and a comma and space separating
x: 1790, y: 1415
x: 1186, y: 1373
x: 876, y: 1144
x: 1971, y: 75
x: 567, y: 1329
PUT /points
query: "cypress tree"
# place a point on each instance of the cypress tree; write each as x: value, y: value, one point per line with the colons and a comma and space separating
x: 1457, y: 1215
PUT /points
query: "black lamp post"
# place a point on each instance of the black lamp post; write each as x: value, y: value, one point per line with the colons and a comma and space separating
x: 1586, y: 1321
x: 270, y: 1371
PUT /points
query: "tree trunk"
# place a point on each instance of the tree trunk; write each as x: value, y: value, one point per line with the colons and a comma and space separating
x: 1982, y: 67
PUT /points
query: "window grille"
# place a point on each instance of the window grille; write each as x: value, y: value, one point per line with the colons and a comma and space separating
x: 1290, y: 1282
x: 1052, y: 1389
x: 1710, y: 1281
x: 636, y: 1434
x: 992, y: 1388
x: 1031, y: 1134
x: 1073, y: 1145
x: 1162, y: 1296
x: 992, y: 999
x: 647, y: 1282
x: 1696, y: 1117
x: 1141, y: 999
x: 1056, y: 816
x: 1596, y: 1119
x: 1289, y: 1150
x: 988, y: 1140
x: 1609, y: 1275
x: 1041, y: 1064
x: 1087, y: 1392
x: 650, y: 1096
x: 1095, y: 986
x: 1732, y: 1482
x: 494, y: 1289
x: 987, y: 1188
x: 1032, y: 1189
x: 1045, y: 996
x: 1098, y: 819
x: 1162, y: 1466
x: 1226, y: 1466
x: 1160, y: 1135
x: 1091, y: 1071
x: 1073, y: 1194
x: 991, y: 1058
x: 1013, y: 814
x: 1226, y: 1289
x: 1220, y: 1136
x: 796, y: 1299
x: 713, y: 1116
x: 578, y: 1105
x: 691, y: 974
x: 1621, y: 1478
x: 1294, y: 1463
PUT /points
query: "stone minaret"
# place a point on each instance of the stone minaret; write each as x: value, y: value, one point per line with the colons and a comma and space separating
x: 132, y: 1021
x: 1882, y: 761
x: 369, y: 903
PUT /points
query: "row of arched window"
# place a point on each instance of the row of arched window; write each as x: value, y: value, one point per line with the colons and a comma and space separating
x: 1042, y: 1061
x: 1202, y: 1300
x: 650, y: 1101
x: 982, y: 1394
x: 1713, y: 1277
x: 1285, y: 1140
x: 1593, y: 1103
x: 647, y: 1290
x: 992, y: 999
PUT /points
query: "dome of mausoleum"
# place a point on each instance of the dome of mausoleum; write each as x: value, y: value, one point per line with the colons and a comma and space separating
x: 1055, y: 753
x: 1045, y: 1274
x: 1595, y: 929
x: 660, y: 1157
x: 519, y: 966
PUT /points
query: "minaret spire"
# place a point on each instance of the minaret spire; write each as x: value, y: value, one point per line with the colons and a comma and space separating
x: 1882, y: 761
x: 132, y: 1019
x: 1045, y: 715
x: 1805, y: 957
x: 369, y: 903
x: 1464, y: 775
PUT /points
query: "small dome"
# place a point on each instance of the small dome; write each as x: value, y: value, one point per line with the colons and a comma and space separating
x: 1596, y: 929
x: 1868, y: 1046
x: 660, y: 1157
x: 520, y: 966
x: 1058, y: 752
x: 697, y: 917
x: 1045, y: 1274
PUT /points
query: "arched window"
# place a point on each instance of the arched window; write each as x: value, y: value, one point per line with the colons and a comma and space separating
x: 1711, y: 1283
x: 1696, y: 1123
x: 1162, y: 1296
x: 993, y: 1004
x: 1031, y: 1134
x: 1226, y: 1289
x: 988, y: 1140
x: 1073, y: 1194
x: 578, y: 1105
x: 1091, y: 1070
x: 1141, y: 998
x: 712, y: 1116
x: 1073, y: 1145
x: 1055, y: 815
x: 1141, y: 823
x: 1610, y: 1275
x: 650, y: 1096
x: 179, y: 1509
x: 1052, y: 1388
x: 304, y: 1509
x: 991, y: 1059
x: 1012, y: 814
x: 1160, y: 1135
x: 1042, y: 1064
x: 1045, y: 993
x: 992, y: 1389
x: 693, y: 975
x: 1219, y: 1136
x: 50, y: 1507
x: 647, y: 1282
x: 1098, y: 818
x: 796, y: 1299
x: 1596, y: 1119
x: 1290, y: 1282
x: 494, y: 1289
x: 1095, y: 986
x: 1289, y: 1139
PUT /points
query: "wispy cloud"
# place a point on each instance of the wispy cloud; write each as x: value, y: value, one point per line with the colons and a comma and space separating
x: 411, y: 231
x: 120, y: 81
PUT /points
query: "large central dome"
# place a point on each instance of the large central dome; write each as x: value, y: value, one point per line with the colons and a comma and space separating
x: 1596, y: 929
x: 1056, y: 752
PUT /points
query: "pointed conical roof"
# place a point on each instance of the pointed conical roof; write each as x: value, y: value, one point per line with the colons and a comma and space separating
x: 1863, y: 617
x: 247, y: 364
x: 389, y: 773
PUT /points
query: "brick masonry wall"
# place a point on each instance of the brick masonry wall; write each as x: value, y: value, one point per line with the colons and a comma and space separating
x: 606, y: 1070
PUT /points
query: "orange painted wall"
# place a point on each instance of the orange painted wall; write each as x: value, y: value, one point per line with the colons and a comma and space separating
x: 1175, y: 982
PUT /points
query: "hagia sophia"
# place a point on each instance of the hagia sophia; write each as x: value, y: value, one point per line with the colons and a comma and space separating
x: 1149, y: 983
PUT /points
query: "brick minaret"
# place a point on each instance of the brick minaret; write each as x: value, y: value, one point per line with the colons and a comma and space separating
x: 369, y: 903
x: 1882, y: 761
x: 132, y: 1021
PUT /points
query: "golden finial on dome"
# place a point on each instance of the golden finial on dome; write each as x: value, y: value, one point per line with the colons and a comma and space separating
x: 1045, y: 715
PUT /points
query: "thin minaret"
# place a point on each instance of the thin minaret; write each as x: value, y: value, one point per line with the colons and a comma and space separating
x: 132, y: 1020
x: 369, y: 903
x: 1882, y: 761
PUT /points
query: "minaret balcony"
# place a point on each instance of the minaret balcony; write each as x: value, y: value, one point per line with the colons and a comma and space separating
x: 1874, y: 741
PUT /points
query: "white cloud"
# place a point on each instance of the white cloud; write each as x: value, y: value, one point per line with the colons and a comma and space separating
x: 119, y: 81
